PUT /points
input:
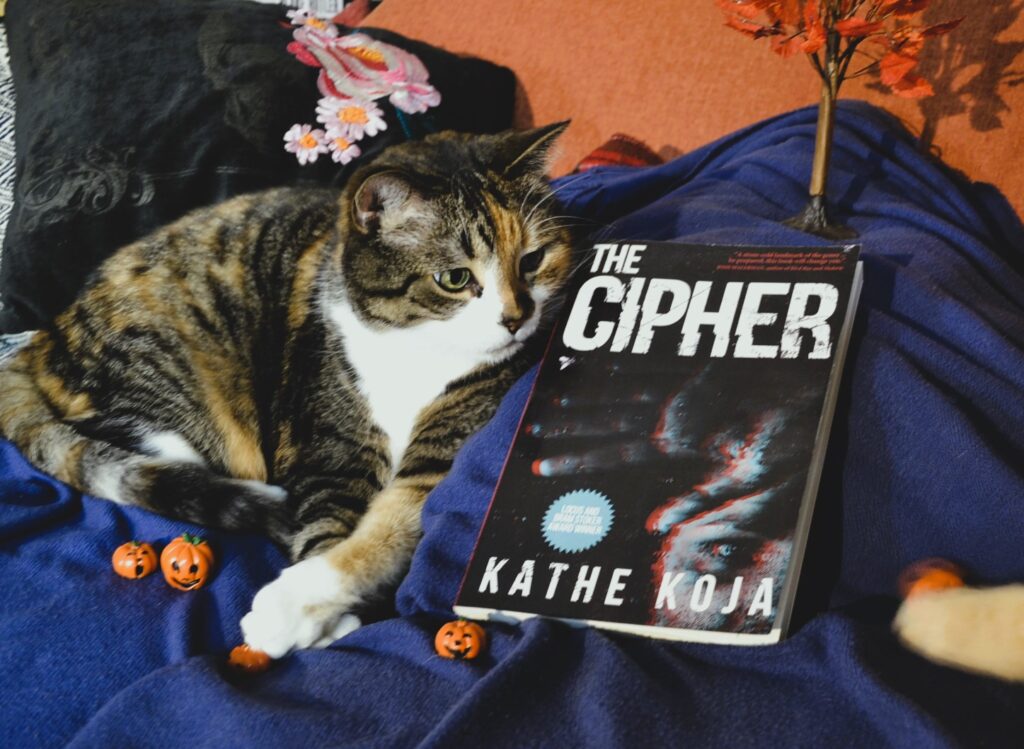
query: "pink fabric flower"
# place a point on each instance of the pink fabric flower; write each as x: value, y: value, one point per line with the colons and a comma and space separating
x: 306, y: 143
x: 302, y: 54
x: 343, y: 150
x: 360, y: 67
x: 326, y: 86
x: 356, y: 70
x: 352, y: 118
x: 414, y: 98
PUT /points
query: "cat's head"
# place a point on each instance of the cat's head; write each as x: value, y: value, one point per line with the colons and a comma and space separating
x: 456, y: 237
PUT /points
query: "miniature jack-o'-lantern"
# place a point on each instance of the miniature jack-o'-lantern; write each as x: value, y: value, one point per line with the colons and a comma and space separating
x: 134, y: 560
x: 460, y: 639
x: 247, y: 659
x: 930, y: 575
x: 187, y: 562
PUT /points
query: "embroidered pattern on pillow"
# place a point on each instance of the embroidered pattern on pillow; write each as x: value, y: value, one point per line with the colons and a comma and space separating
x: 91, y: 183
x: 355, y: 71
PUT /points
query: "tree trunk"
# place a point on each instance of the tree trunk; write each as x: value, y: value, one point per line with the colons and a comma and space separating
x: 814, y: 219
x: 823, y: 141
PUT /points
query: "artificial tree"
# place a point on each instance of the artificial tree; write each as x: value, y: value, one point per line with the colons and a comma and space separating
x: 884, y: 37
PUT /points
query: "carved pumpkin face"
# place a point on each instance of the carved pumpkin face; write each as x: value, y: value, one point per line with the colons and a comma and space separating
x: 247, y: 659
x: 460, y: 639
x: 134, y: 560
x: 187, y: 562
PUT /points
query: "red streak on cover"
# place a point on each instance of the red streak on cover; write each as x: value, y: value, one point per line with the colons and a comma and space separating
x: 724, y: 505
x: 658, y: 437
x: 734, y: 459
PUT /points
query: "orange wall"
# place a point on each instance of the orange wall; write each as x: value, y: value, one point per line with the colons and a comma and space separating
x: 669, y: 73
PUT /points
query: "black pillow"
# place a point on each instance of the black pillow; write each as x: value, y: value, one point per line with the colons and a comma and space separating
x: 132, y: 112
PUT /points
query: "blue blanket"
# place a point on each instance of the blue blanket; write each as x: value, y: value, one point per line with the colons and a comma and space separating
x: 925, y: 459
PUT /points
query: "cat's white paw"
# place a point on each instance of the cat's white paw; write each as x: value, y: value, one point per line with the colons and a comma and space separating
x: 306, y: 606
x: 347, y: 623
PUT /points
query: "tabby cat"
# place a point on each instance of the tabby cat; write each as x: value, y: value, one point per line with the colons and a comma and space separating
x: 304, y: 362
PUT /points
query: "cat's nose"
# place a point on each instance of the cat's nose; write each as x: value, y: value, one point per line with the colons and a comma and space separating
x: 516, y: 312
x: 513, y: 324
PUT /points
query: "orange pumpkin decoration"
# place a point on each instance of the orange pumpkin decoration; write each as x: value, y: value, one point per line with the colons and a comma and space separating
x: 247, y: 659
x: 134, y: 560
x: 930, y: 575
x: 187, y: 562
x: 460, y: 640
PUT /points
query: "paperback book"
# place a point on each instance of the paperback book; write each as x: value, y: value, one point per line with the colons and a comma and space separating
x: 663, y: 476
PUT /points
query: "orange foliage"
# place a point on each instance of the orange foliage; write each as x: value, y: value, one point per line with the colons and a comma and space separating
x: 895, y: 67
x: 858, y: 27
x: 912, y: 86
x: 903, y: 8
x: 831, y: 32
x: 787, y: 47
x: 814, y: 30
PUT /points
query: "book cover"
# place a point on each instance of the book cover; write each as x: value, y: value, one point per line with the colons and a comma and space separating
x: 663, y: 476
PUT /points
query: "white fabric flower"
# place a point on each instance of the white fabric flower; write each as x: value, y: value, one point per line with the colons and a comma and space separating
x: 306, y: 143
x: 343, y: 150
x: 351, y: 118
x: 298, y: 17
x: 307, y: 19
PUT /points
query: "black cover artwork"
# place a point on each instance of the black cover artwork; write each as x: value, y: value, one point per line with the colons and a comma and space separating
x: 679, y: 470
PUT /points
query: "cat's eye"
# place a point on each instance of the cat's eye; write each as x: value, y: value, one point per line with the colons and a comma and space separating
x: 453, y: 280
x: 531, y: 261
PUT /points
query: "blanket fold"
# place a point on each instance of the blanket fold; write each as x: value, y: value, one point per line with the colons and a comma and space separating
x: 925, y: 459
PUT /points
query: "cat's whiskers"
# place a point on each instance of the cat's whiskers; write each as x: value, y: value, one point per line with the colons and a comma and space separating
x: 567, y: 181
x: 549, y: 196
x: 572, y: 271
x: 529, y: 192
x: 569, y: 221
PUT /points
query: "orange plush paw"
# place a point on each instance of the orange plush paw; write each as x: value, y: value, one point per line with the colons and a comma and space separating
x: 930, y: 575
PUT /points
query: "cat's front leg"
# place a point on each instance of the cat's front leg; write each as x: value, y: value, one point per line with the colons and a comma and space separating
x: 311, y: 603
x: 305, y: 606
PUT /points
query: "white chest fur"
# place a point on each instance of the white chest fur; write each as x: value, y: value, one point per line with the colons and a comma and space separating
x: 400, y: 371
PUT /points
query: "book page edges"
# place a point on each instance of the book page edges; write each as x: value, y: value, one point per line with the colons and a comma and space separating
x: 802, y: 530
x: 643, y: 630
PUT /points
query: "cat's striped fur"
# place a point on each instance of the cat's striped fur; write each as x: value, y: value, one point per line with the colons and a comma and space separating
x: 246, y: 366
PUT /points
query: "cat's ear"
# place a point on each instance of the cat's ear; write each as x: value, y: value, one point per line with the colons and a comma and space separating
x: 380, y: 194
x: 527, y: 151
